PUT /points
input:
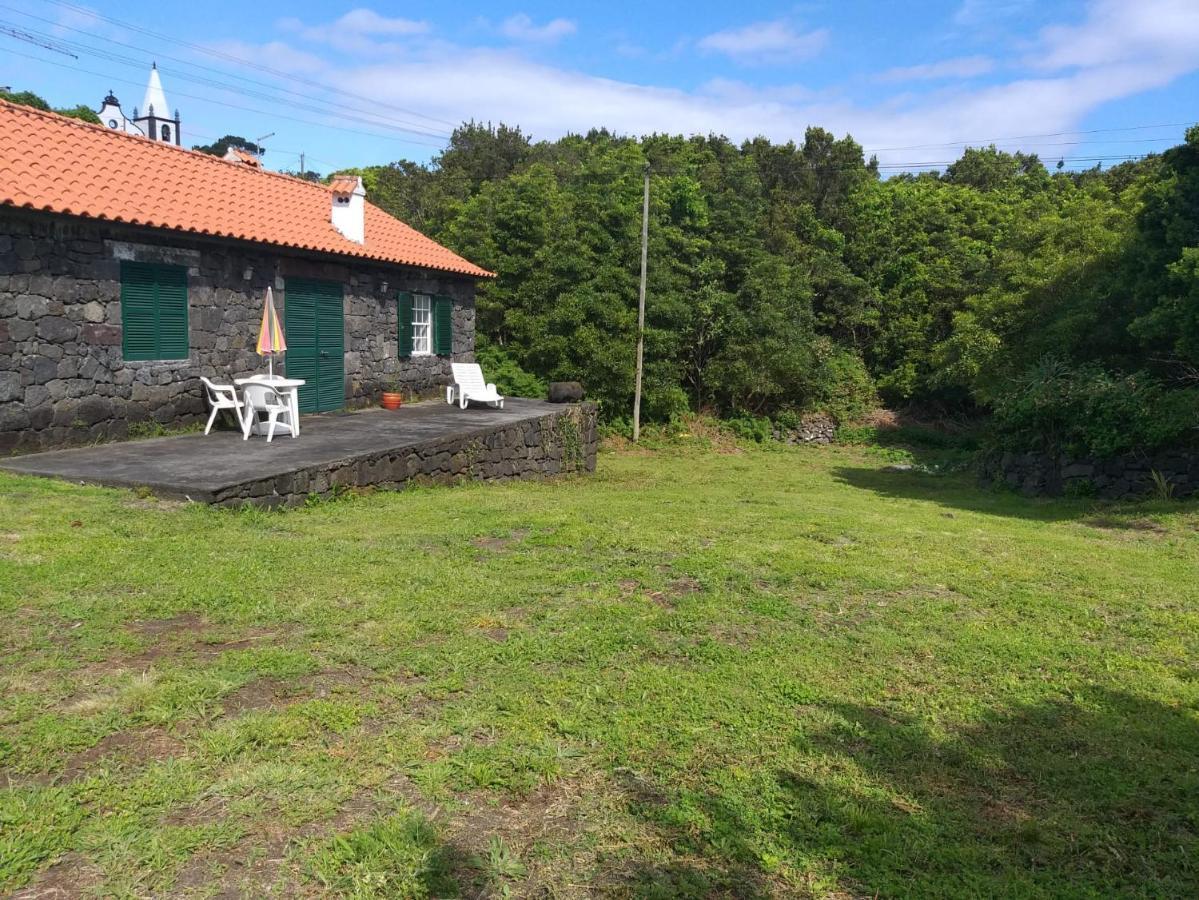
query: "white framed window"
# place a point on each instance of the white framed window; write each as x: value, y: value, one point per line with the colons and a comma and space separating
x: 422, y: 325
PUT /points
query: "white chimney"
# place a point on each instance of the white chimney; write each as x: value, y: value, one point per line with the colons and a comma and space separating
x: 349, y: 207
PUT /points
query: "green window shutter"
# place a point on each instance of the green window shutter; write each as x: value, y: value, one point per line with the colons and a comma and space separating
x: 404, y: 328
x: 139, y: 330
x: 173, y: 340
x: 154, y: 314
x: 443, y: 326
x: 331, y: 331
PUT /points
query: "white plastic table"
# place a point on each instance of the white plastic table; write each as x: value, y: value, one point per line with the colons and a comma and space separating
x: 290, y: 387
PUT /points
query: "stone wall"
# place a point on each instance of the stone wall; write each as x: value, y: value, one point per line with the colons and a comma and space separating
x: 63, y: 378
x: 814, y: 428
x: 1118, y: 478
x: 560, y: 443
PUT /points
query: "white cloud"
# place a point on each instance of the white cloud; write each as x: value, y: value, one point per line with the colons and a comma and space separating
x: 522, y: 28
x: 961, y: 67
x: 766, y: 42
x: 1161, y: 33
x: 276, y: 54
x: 369, y: 22
x: 358, y: 29
x: 1076, y: 71
x: 978, y: 13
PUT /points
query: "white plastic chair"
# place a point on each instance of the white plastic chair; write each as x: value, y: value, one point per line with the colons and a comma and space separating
x: 221, y: 396
x: 264, y: 398
x: 469, y: 385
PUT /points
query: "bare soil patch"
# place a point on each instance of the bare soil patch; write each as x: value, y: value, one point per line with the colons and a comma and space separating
x: 499, y: 544
x: 674, y: 591
x: 189, y: 623
x: 71, y: 877
x: 260, y: 693
x: 136, y: 747
x: 1108, y: 523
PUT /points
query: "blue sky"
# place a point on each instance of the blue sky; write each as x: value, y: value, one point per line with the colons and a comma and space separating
x: 355, y: 84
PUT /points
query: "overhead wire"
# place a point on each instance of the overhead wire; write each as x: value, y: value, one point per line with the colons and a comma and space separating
x: 208, y: 100
x: 403, y: 126
x: 240, y: 60
x: 271, y: 93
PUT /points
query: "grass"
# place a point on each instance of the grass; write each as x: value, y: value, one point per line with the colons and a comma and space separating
x: 754, y: 673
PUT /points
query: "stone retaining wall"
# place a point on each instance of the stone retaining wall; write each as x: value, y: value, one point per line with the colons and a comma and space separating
x: 559, y: 443
x: 63, y: 378
x: 1118, y: 478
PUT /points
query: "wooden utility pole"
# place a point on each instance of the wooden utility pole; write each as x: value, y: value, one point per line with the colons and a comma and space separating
x: 641, y: 309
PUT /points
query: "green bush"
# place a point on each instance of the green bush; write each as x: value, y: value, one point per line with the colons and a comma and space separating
x: 510, y: 379
x: 752, y: 428
x: 1087, y: 411
x: 841, y: 386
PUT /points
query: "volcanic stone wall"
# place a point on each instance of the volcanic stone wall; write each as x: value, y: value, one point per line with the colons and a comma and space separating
x: 64, y: 380
x: 1122, y: 477
x: 562, y: 442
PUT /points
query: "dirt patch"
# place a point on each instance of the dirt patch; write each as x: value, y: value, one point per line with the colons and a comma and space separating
x: 70, y: 877
x: 499, y: 544
x: 740, y: 636
x: 188, y: 623
x: 674, y: 591
x: 252, y: 868
x: 1107, y: 523
x: 136, y: 747
x: 260, y: 693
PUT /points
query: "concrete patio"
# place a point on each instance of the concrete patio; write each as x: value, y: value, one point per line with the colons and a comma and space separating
x: 374, y: 447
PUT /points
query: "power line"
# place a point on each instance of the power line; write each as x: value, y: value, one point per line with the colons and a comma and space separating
x: 43, y: 41
x: 230, y: 57
x: 212, y: 102
x: 335, y: 112
x: 1029, y: 137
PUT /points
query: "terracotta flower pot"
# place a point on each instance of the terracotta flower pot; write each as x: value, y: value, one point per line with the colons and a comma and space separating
x: 392, y: 400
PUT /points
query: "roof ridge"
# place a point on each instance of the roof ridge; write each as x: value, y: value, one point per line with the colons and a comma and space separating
x: 145, y: 141
x: 67, y: 166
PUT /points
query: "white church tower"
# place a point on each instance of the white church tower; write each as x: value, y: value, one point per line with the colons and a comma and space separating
x: 113, y: 116
x: 156, y: 121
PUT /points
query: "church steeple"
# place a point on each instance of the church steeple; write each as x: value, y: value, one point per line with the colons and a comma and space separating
x: 112, y: 116
x: 156, y: 120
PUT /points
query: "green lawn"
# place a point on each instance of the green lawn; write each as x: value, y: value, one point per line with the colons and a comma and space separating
x: 773, y: 672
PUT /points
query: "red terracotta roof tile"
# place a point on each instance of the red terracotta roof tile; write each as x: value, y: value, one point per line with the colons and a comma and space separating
x: 55, y: 164
x: 343, y: 184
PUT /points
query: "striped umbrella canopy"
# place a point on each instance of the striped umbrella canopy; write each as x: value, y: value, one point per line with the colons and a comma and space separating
x: 270, y: 334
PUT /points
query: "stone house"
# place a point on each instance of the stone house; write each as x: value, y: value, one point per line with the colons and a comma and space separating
x: 129, y: 268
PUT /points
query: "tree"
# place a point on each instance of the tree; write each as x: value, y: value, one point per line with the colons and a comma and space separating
x: 25, y: 98
x: 306, y: 175
x: 791, y: 277
x: 221, y: 147
x: 28, y: 98
x: 83, y: 113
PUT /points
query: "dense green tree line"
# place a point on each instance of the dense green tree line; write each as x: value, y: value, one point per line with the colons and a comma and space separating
x: 793, y: 277
x: 28, y: 98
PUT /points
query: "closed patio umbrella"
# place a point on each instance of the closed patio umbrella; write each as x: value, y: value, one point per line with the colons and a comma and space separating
x: 270, y: 334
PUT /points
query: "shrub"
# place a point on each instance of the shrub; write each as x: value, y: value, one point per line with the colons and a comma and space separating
x: 752, y: 428
x: 1087, y: 411
x: 502, y: 368
x: 841, y: 385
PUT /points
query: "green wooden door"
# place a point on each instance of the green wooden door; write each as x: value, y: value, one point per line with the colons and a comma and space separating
x: 315, y: 324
